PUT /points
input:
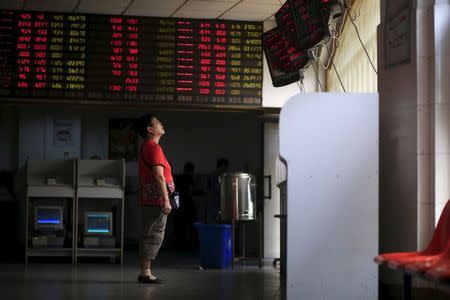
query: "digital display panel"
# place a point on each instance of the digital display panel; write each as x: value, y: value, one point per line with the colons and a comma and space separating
x: 304, y: 23
x: 48, y: 218
x: 98, y: 223
x: 126, y: 58
x: 284, y: 61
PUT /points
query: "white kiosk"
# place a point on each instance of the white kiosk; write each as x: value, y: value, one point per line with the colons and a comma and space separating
x: 330, y: 143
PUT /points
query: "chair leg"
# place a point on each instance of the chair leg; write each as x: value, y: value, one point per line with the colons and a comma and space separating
x: 275, y: 260
x: 407, y: 287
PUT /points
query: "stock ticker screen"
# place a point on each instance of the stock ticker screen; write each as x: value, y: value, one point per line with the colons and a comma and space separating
x: 126, y: 58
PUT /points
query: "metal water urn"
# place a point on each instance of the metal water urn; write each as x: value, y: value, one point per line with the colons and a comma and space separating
x: 237, y: 196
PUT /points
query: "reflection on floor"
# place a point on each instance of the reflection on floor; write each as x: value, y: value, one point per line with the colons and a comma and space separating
x: 94, y: 280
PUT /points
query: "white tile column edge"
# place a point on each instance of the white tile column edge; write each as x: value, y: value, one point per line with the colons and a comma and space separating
x: 441, y: 17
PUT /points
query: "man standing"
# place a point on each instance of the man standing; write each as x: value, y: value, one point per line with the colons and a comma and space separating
x: 214, y: 189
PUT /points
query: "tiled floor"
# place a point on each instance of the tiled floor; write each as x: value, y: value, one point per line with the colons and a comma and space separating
x: 184, y: 280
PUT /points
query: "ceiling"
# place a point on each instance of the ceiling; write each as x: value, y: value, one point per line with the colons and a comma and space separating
x: 248, y: 10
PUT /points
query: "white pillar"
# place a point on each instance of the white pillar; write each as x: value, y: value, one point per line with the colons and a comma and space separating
x: 442, y: 103
x: 425, y: 123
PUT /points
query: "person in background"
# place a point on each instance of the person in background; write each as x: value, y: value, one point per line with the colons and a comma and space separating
x: 185, y: 233
x: 155, y: 183
x: 214, y: 189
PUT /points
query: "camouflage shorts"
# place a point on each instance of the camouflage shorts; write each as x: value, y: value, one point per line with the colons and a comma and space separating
x: 154, y: 222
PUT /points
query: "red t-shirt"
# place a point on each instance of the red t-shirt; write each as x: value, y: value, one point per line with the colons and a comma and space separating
x: 151, y: 154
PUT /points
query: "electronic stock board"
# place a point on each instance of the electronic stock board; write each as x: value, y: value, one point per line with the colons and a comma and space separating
x: 127, y: 58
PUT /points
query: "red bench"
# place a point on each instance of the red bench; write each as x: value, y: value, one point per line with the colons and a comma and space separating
x: 432, y: 263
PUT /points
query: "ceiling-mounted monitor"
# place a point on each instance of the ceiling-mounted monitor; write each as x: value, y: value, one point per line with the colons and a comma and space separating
x: 284, y: 61
x: 304, y: 23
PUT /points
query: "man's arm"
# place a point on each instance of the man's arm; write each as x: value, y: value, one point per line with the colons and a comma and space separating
x: 158, y: 174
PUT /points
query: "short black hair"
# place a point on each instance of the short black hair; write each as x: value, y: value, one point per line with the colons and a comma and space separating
x: 140, y: 125
x: 222, y: 162
x: 189, y: 167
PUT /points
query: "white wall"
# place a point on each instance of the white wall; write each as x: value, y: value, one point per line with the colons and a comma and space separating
x: 36, y: 134
x: 31, y: 135
x: 94, y: 137
x: 277, y: 96
x: 272, y: 204
x: 201, y: 137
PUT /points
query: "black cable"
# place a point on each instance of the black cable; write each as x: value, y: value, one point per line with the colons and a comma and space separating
x: 76, y: 6
x: 317, y: 76
x: 300, y: 84
x: 178, y: 8
x: 127, y: 7
x: 362, y: 44
x: 339, y: 77
x: 227, y: 10
x: 337, y: 73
